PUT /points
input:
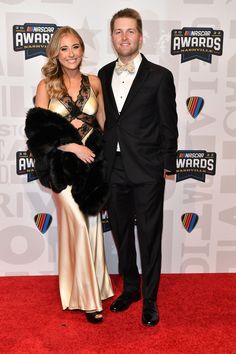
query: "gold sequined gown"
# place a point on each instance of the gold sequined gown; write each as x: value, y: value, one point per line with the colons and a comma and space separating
x: 83, y: 276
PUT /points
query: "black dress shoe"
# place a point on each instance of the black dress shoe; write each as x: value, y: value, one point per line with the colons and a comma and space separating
x: 94, y: 317
x: 124, y: 301
x: 150, y: 316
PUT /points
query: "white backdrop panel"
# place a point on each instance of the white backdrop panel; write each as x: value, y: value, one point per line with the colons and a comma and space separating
x: 211, y: 246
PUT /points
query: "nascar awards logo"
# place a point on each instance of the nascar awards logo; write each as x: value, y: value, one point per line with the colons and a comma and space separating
x: 25, y: 165
x: 196, y: 43
x: 33, y: 38
x: 195, y: 164
x: 105, y: 221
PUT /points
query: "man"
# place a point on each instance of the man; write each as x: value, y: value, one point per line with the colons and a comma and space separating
x: 140, y: 148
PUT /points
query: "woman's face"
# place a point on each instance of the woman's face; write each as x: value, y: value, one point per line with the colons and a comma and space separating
x: 70, y: 52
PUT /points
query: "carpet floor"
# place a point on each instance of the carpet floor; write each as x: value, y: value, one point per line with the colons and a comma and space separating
x: 198, y: 315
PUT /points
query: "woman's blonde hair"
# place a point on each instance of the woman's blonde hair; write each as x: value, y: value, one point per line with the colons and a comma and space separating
x: 52, y: 69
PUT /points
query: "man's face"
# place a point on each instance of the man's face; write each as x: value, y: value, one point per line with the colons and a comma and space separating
x: 126, y: 38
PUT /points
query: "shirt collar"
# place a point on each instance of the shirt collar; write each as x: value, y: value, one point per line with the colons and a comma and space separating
x: 137, y: 61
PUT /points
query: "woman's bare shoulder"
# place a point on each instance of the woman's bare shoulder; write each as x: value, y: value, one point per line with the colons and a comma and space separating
x: 42, y: 85
x: 95, y: 82
x: 42, y: 96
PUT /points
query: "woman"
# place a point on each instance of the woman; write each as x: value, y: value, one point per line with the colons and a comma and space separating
x: 64, y: 138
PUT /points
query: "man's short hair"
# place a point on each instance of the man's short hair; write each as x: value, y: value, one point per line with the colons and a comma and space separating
x: 129, y: 13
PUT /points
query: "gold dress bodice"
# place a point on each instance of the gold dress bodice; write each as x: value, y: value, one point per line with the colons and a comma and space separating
x: 84, y: 108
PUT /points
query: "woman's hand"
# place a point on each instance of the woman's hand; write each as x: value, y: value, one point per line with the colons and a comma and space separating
x: 81, y: 151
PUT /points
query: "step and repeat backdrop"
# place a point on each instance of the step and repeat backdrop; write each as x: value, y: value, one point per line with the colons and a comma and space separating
x: 196, y: 40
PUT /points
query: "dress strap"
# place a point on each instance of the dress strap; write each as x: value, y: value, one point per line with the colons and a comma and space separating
x: 84, y: 92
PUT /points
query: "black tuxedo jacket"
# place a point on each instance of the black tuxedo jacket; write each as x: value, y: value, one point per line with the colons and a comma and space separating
x: 146, y: 128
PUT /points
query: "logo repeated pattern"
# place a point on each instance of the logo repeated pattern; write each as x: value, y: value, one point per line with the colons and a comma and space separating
x: 43, y: 222
x: 25, y: 165
x: 166, y: 42
x: 196, y: 43
x: 189, y: 221
x: 195, y: 105
x: 32, y: 38
x: 195, y: 164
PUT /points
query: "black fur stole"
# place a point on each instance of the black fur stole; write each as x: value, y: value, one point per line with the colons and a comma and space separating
x: 56, y: 169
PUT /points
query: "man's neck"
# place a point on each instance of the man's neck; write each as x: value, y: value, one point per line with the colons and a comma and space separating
x: 126, y: 60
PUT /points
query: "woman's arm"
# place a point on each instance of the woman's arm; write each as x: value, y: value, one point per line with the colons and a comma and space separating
x: 42, y: 97
x: 81, y: 151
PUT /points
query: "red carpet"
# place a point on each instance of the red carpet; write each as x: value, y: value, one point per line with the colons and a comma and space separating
x: 198, y: 315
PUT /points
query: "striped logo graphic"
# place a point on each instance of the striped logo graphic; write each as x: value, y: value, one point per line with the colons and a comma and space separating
x: 189, y: 221
x: 194, y: 105
x: 43, y: 221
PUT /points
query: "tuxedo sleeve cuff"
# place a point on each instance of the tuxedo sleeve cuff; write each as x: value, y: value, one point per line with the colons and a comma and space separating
x: 170, y: 165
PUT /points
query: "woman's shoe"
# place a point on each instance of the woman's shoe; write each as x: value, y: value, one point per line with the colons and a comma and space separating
x: 94, y: 317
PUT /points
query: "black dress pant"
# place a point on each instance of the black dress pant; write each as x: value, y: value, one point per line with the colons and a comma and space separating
x: 145, y: 201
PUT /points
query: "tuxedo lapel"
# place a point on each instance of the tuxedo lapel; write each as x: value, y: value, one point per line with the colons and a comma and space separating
x: 141, y: 76
x: 108, y: 87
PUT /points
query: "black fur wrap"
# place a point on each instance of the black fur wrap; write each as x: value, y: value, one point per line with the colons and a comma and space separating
x: 56, y: 169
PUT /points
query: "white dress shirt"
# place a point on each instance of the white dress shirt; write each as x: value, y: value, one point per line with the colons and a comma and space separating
x: 121, y: 84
